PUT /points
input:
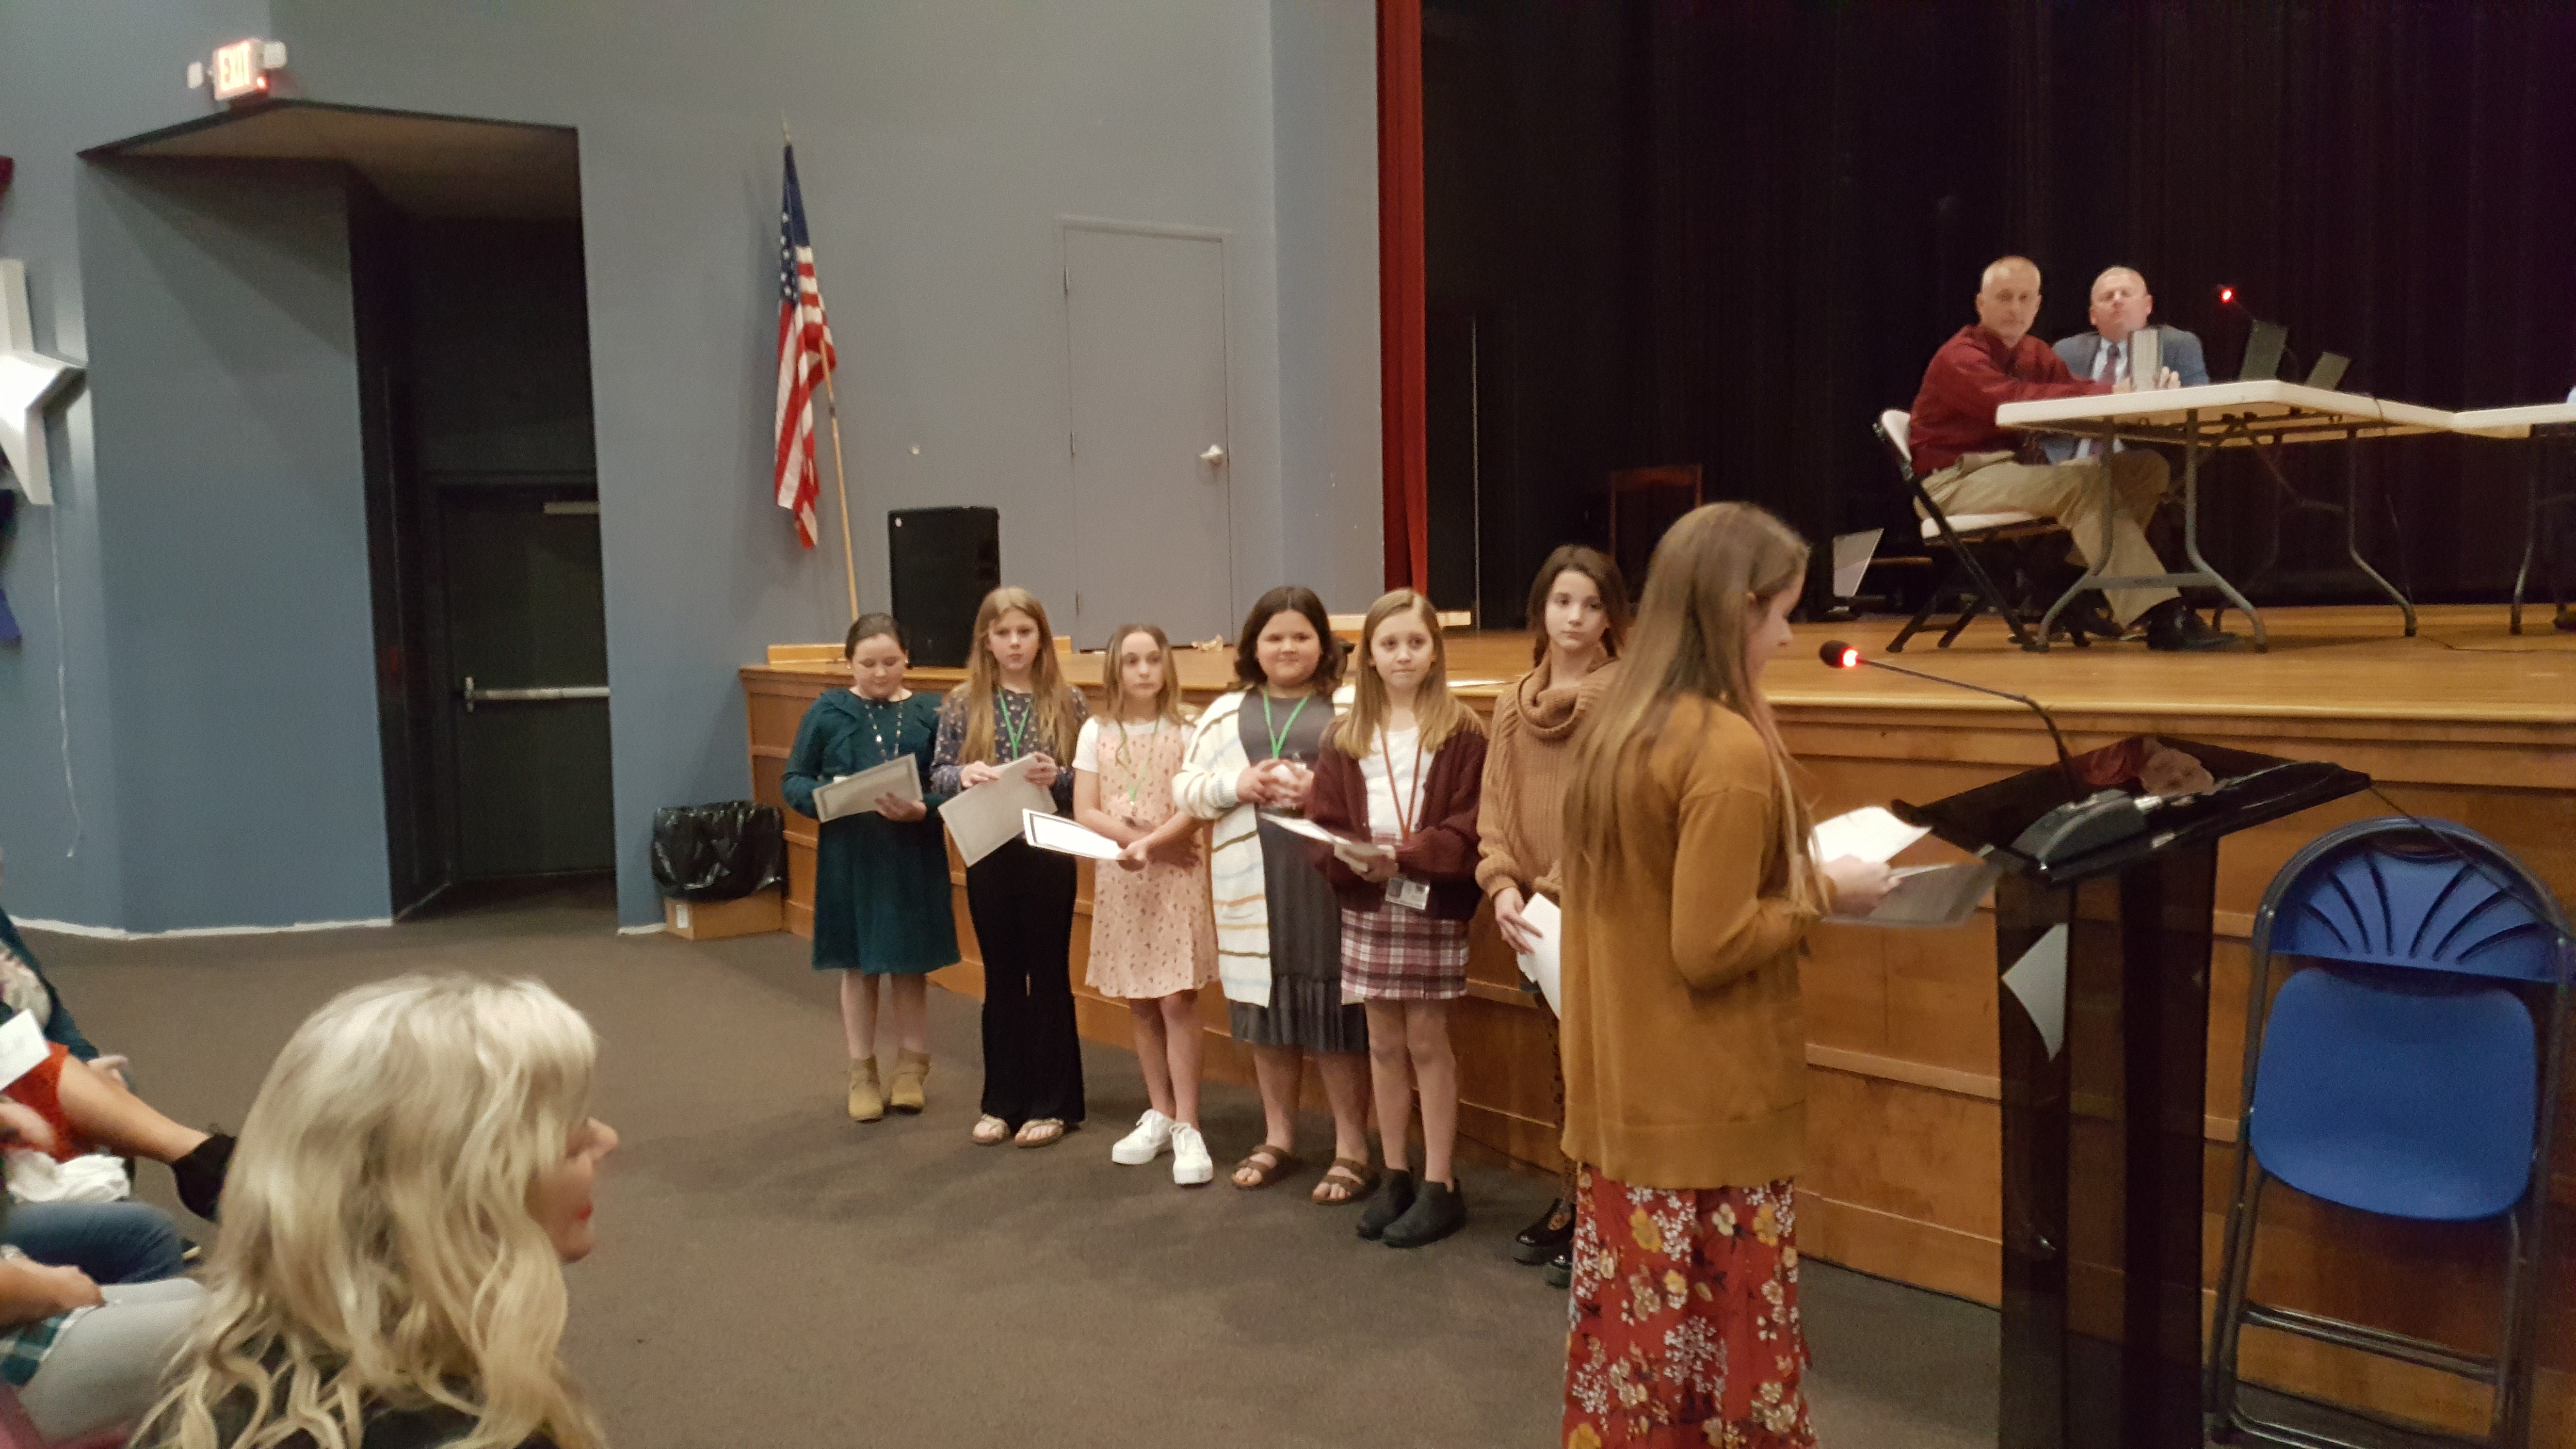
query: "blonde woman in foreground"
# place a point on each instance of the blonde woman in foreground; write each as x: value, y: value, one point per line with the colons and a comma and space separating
x: 410, y: 1182
x: 1688, y: 888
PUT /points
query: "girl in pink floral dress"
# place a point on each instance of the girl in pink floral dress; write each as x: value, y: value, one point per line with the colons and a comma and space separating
x: 1153, y: 927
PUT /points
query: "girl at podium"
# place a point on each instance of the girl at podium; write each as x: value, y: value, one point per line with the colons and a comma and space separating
x: 1014, y: 704
x: 1579, y: 605
x: 1684, y: 1044
x: 881, y: 908
x: 1153, y: 928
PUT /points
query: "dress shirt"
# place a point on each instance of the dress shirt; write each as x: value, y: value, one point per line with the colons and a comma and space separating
x: 1971, y: 376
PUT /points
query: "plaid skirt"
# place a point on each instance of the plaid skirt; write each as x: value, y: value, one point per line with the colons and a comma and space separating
x: 1394, y: 954
x: 1683, y: 1326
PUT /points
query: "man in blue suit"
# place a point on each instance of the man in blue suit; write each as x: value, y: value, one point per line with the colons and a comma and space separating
x: 2121, y: 306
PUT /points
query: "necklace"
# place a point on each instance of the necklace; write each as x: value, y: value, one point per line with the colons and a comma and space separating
x: 1135, y: 777
x: 1402, y: 798
x: 1279, y: 733
x: 876, y: 725
x: 1014, y: 733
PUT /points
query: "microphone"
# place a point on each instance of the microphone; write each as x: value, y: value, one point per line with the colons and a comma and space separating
x: 2227, y: 299
x: 1838, y: 655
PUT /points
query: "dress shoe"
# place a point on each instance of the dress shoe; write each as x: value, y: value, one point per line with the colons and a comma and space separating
x: 1560, y: 1269
x: 1540, y: 1241
x: 2174, y: 628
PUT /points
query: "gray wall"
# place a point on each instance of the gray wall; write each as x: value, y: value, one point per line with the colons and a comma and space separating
x: 938, y: 144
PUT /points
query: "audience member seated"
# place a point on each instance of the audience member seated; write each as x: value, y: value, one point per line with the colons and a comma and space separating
x: 84, y: 1359
x: 79, y: 1101
x: 412, y: 1178
x: 112, y: 1242
x: 1970, y: 465
x: 2121, y: 306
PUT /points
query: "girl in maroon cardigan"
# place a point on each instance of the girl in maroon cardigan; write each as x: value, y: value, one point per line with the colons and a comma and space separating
x: 1400, y: 777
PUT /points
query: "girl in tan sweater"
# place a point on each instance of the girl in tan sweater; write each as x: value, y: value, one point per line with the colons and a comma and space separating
x: 1687, y: 890
x: 1579, y: 605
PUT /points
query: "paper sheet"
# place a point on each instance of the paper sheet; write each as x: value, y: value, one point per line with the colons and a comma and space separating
x: 858, y: 794
x: 1869, y: 833
x: 2038, y: 982
x: 23, y: 1047
x: 1543, y: 965
x: 1342, y: 845
x: 986, y: 818
x: 1932, y: 895
x: 1049, y: 831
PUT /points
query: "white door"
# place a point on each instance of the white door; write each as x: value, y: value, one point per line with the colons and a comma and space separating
x: 1153, y: 536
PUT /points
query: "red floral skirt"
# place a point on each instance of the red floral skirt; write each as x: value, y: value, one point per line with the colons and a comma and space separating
x: 1684, y: 1323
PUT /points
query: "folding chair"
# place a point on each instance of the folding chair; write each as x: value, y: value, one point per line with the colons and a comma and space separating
x: 1962, y: 536
x: 2408, y: 1069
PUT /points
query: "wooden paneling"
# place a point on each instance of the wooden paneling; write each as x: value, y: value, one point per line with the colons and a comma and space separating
x: 2466, y: 723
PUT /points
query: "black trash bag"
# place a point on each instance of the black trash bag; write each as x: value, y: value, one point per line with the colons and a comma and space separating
x: 719, y: 852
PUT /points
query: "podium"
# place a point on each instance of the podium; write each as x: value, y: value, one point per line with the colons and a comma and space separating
x: 2102, y: 940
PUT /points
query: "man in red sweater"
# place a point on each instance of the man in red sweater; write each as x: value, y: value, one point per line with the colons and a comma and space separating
x: 1969, y: 465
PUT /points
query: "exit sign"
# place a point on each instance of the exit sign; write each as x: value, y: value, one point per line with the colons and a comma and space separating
x: 238, y: 71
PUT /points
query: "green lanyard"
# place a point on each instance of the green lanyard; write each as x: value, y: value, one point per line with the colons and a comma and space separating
x: 1279, y: 734
x: 1135, y: 776
x: 1015, y: 735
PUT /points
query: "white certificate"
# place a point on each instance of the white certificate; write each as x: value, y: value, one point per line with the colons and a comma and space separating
x: 1932, y: 895
x: 1544, y: 965
x: 1049, y: 831
x: 858, y: 794
x: 986, y: 818
x: 1352, y: 852
x: 1869, y: 833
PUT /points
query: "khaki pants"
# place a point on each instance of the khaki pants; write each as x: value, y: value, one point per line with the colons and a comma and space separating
x: 2072, y: 494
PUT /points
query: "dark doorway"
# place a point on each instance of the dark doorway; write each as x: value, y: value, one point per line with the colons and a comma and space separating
x: 473, y: 370
x: 490, y: 615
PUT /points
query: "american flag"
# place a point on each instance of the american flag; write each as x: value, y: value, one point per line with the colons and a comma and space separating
x: 804, y: 352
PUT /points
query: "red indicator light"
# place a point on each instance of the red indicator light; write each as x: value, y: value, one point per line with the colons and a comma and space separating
x: 1850, y: 659
x: 2227, y: 296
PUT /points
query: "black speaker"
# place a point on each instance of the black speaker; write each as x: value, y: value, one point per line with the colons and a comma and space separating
x: 944, y: 561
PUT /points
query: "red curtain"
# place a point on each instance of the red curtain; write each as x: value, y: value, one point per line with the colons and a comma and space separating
x: 1400, y: 291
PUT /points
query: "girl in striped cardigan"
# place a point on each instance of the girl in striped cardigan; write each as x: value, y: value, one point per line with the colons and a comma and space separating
x: 1278, y: 927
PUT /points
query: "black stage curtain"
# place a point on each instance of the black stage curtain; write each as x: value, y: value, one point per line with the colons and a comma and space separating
x: 1729, y: 233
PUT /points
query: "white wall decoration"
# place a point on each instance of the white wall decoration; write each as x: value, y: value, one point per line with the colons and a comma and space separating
x: 30, y: 382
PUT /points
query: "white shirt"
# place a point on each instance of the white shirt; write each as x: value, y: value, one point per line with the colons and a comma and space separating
x: 1386, y: 777
x: 2110, y: 364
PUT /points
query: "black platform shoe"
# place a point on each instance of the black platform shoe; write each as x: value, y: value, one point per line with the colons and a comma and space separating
x: 1390, y: 1205
x: 1438, y: 1210
x: 1544, y: 1239
x: 1560, y: 1269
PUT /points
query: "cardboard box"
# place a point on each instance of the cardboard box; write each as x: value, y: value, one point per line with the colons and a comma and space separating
x: 718, y: 920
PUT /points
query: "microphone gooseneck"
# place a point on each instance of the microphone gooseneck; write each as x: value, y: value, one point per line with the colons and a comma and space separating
x: 1838, y: 655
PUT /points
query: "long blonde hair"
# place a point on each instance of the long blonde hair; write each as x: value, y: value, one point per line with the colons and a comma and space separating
x: 378, y: 1248
x: 1436, y: 712
x: 1055, y: 726
x: 1713, y: 575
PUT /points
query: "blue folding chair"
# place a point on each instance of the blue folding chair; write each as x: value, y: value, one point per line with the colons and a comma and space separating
x: 2409, y: 1070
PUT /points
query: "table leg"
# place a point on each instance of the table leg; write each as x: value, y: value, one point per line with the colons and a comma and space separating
x: 2352, y: 527
x: 2530, y: 536
x: 2191, y: 534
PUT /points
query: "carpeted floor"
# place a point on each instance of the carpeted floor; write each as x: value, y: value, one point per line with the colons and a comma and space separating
x: 771, y: 1274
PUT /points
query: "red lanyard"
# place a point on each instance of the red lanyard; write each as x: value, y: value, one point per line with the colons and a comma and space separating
x: 1403, y: 816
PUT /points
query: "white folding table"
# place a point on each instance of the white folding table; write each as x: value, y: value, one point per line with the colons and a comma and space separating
x: 2219, y: 415
x: 2541, y: 424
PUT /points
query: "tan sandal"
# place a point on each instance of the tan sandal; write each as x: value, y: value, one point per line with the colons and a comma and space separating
x: 1346, y: 1181
x: 990, y: 1130
x: 1267, y: 1164
x: 1041, y: 1132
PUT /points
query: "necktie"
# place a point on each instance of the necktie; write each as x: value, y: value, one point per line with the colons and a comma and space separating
x: 2110, y: 365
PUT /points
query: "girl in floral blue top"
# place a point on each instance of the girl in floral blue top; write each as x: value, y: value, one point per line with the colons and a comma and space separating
x: 1015, y: 703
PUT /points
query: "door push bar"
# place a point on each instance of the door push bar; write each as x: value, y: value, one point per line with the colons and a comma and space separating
x: 474, y: 696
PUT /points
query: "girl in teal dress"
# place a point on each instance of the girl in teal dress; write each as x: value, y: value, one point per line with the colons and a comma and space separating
x: 881, y: 893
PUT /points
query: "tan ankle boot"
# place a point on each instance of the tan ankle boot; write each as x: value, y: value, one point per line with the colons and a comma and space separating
x: 909, y: 1070
x: 867, y: 1103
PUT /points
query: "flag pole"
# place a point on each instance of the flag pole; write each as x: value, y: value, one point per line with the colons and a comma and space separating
x: 840, y: 471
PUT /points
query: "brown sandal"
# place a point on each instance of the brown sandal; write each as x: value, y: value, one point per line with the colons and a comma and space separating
x: 1267, y: 1164
x: 1346, y: 1181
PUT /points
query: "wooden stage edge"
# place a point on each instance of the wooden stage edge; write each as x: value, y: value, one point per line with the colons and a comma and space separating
x: 2466, y: 722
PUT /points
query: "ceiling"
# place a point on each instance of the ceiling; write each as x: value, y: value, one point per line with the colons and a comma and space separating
x: 426, y: 165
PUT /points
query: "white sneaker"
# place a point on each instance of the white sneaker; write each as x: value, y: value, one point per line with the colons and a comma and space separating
x: 1153, y: 1133
x: 1191, y: 1165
